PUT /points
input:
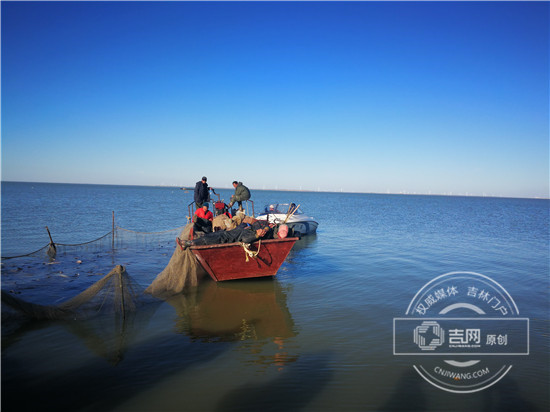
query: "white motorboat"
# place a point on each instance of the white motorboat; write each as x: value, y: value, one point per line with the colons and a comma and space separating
x: 289, y: 213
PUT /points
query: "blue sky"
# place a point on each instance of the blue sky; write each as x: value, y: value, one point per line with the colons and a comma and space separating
x: 399, y: 97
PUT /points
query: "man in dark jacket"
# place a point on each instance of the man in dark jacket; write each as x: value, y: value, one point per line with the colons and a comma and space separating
x: 241, y: 194
x: 202, y: 194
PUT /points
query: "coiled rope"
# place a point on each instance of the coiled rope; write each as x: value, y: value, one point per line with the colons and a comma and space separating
x: 250, y: 253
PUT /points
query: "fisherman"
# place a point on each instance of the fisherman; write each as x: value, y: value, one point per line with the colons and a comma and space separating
x: 202, y: 192
x: 241, y: 194
x: 245, y: 233
x: 202, y: 220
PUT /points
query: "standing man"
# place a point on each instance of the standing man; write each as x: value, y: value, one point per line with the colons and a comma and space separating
x: 202, y: 193
x: 241, y: 194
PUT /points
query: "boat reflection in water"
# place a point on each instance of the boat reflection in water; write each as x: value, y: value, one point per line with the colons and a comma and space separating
x: 251, y: 311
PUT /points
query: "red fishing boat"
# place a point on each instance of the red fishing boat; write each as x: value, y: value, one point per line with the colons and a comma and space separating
x: 229, y: 261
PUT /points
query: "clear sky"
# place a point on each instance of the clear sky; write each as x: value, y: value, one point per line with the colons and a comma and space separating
x: 415, y: 97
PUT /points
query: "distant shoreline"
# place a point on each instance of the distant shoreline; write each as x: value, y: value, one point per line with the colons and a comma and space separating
x: 191, y: 187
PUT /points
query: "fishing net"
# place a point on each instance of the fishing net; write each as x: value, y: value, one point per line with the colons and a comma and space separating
x: 115, y: 293
x: 116, y: 240
x: 182, y: 272
x: 104, y: 316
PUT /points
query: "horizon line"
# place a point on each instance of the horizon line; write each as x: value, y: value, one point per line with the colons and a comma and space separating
x: 187, y: 188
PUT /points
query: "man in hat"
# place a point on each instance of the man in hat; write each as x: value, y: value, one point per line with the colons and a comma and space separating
x: 203, y: 219
x: 202, y: 193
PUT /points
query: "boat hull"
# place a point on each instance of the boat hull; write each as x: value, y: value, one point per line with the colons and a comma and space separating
x: 303, y: 228
x: 300, y: 226
x: 228, y: 261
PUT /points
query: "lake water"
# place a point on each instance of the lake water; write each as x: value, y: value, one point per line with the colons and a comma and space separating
x: 317, y: 337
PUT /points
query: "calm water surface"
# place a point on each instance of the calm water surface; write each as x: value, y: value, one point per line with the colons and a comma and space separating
x: 317, y: 337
